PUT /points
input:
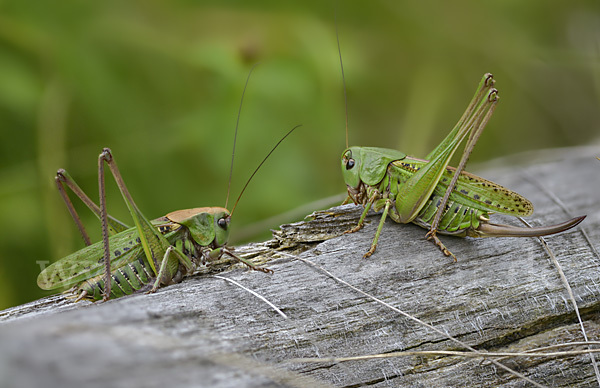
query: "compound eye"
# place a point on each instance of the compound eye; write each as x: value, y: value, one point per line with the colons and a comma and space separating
x: 222, y: 222
x: 350, y: 164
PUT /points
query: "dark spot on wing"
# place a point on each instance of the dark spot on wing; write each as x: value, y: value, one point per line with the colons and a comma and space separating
x: 409, y: 166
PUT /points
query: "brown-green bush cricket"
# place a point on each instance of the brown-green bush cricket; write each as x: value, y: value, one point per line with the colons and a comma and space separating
x: 430, y: 193
x: 128, y: 259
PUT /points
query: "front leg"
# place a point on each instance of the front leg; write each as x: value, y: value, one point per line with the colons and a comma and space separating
x: 245, y: 261
x: 346, y: 201
x: 361, y: 220
x: 386, y: 209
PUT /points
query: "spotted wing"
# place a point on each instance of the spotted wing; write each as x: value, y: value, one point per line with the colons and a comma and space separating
x: 89, y: 261
x: 483, y: 194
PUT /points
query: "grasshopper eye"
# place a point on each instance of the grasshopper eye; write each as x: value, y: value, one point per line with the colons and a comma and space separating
x: 350, y: 164
x: 222, y: 222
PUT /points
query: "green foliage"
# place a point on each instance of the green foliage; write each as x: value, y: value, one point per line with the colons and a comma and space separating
x: 159, y: 83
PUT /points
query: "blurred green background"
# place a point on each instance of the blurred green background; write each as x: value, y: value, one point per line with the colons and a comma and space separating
x: 159, y: 82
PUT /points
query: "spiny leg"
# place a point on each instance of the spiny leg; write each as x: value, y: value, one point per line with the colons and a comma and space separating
x: 361, y: 220
x: 63, y: 180
x: 413, y: 194
x: 485, y: 85
x: 477, y: 123
x: 104, y: 220
x: 432, y: 236
x: 379, y: 229
x: 152, y: 241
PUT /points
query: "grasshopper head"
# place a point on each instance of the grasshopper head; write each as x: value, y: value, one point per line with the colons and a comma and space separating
x: 206, y: 224
x: 351, y: 165
x: 367, y: 165
x: 222, y: 219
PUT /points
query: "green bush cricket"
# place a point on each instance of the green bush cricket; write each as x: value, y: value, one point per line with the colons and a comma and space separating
x: 430, y: 193
x: 157, y: 252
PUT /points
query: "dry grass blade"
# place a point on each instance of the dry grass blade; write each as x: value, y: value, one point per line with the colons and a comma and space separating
x: 253, y: 293
x: 420, y: 322
x: 485, y: 355
x: 567, y: 286
x: 560, y: 203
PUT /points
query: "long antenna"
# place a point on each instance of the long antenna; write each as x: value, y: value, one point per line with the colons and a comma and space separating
x: 337, y: 36
x: 237, y: 124
x: 261, y: 163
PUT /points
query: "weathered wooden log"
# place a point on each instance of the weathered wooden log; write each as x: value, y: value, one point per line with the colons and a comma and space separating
x: 503, y: 294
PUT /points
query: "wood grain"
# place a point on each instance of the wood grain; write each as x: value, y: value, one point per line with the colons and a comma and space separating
x: 503, y: 294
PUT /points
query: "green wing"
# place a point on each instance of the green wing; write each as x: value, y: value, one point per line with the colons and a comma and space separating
x: 88, y: 262
x: 480, y: 193
x: 474, y: 191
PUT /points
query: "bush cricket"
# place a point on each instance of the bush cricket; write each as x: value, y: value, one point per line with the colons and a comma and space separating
x: 157, y: 252
x: 430, y: 193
